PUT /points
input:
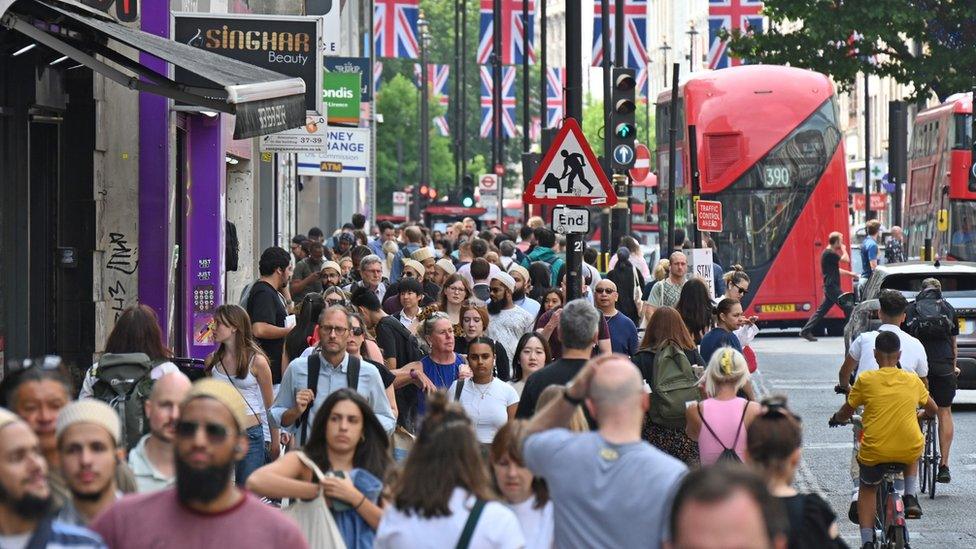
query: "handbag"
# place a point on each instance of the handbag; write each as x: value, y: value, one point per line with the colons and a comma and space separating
x: 313, y: 516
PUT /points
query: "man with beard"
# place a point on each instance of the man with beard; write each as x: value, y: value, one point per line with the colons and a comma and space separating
x: 508, y: 322
x: 267, y: 308
x: 152, y: 458
x: 25, y: 496
x: 523, y: 285
x: 88, y: 434
x: 205, y: 508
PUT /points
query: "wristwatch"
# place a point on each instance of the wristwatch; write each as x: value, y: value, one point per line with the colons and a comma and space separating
x: 569, y: 399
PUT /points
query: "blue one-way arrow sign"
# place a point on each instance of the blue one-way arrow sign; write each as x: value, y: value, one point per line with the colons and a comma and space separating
x: 623, y: 155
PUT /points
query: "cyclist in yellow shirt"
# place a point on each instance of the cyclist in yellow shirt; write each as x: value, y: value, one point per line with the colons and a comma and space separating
x: 891, y: 434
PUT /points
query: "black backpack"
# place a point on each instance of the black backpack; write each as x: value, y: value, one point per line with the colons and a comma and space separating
x: 314, y: 367
x: 930, y: 320
x: 728, y: 454
x: 123, y: 381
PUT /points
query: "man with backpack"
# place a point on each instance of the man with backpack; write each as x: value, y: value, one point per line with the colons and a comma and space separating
x: 933, y: 321
x: 309, y: 381
x: 543, y: 251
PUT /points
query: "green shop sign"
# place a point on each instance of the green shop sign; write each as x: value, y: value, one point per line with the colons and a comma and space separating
x: 341, y: 93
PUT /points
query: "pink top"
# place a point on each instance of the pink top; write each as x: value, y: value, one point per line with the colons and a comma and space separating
x: 724, y: 417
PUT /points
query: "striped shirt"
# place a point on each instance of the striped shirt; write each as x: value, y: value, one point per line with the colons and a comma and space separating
x: 54, y: 534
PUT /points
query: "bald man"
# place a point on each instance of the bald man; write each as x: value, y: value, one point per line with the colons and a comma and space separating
x: 152, y: 459
x: 623, y: 331
x: 609, y: 487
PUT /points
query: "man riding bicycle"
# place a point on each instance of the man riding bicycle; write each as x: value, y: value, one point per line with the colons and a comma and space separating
x: 860, y: 358
x: 890, y: 397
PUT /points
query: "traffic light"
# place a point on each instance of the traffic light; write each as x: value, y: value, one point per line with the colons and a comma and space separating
x: 467, y: 191
x: 624, y: 102
x: 427, y: 195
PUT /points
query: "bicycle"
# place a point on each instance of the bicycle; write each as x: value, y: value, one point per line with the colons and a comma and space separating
x: 928, y: 463
x: 889, y: 514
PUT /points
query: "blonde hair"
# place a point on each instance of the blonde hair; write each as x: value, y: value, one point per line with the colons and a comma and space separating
x: 661, y: 269
x: 726, y: 367
x: 577, y: 423
x: 390, y: 248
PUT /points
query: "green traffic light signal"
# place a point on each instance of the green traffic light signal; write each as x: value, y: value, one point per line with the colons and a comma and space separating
x: 625, y: 130
x: 467, y: 201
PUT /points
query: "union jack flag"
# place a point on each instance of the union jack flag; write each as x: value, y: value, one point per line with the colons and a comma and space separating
x: 377, y: 75
x: 730, y: 14
x: 438, y: 78
x: 508, y: 102
x: 635, y: 39
x: 395, y: 28
x: 555, y: 102
x: 513, y: 30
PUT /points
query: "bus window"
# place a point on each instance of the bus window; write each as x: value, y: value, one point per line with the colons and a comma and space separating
x: 768, y: 198
x: 962, y: 239
x: 962, y: 132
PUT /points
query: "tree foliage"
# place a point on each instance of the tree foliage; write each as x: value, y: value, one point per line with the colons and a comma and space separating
x: 398, y: 142
x: 924, y: 43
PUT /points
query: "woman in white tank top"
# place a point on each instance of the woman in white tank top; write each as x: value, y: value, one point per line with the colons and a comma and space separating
x: 239, y: 361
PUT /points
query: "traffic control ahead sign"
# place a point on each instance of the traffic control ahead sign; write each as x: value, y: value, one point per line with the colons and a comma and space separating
x: 709, y: 215
x: 569, y: 174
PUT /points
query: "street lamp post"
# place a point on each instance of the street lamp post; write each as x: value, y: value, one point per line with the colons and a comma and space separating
x: 665, y: 48
x: 692, y: 34
x: 424, y: 114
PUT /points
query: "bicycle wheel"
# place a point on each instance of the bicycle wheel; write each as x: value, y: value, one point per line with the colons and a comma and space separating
x: 932, y: 449
x: 896, y: 538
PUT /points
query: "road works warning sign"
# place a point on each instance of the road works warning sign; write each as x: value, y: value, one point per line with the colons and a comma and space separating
x: 569, y: 174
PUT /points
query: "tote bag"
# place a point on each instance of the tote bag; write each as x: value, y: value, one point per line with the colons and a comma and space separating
x: 313, y: 517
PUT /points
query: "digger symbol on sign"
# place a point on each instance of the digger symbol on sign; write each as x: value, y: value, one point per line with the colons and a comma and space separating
x: 573, y: 165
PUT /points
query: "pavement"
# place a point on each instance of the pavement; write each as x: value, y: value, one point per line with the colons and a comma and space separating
x: 806, y: 373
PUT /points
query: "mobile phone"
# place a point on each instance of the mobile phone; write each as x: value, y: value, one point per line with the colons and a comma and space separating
x: 334, y: 504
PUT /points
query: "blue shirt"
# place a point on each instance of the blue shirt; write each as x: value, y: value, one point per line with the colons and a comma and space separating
x: 869, y: 253
x: 54, y: 533
x: 715, y: 339
x: 355, y: 531
x: 623, y: 334
x: 331, y: 379
x: 441, y: 375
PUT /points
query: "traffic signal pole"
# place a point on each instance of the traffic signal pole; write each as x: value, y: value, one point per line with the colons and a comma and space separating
x: 606, y: 219
x: 574, y: 109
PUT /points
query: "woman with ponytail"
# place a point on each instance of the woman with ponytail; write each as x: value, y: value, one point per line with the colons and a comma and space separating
x: 720, y: 421
x: 773, y: 449
x: 737, y: 287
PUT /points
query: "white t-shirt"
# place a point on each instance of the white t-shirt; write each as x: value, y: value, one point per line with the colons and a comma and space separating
x: 158, y: 371
x: 537, y: 525
x: 912, y: 352
x: 497, y: 527
x: 486, y: 405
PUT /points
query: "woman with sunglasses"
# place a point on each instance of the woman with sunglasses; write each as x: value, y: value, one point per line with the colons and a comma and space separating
x: 349, y: 445
x: 737, y: 287
x: 489, y: 401
x: 455, y: 292
x: 531, y: 354
x: 239, y: 361
x: 474, y: 324
x: 773, y: 445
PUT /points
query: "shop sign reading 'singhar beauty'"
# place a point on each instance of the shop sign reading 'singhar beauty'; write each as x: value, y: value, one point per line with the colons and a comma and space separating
x: 287, y: 45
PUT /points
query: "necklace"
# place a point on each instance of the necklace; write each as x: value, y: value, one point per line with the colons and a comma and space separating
x: 477, y: 387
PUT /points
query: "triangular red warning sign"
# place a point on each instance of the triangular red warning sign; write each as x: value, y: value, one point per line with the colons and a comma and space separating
x: 570, y: 173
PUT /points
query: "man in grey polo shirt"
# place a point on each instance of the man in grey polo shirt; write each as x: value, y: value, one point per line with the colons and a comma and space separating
x: 609, y: 488
x: 294, y: 396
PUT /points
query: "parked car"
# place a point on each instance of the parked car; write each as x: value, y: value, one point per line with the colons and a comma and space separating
x: 958, y: 288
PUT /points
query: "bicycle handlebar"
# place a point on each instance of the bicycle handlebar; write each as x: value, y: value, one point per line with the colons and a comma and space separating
x: 842, y: 390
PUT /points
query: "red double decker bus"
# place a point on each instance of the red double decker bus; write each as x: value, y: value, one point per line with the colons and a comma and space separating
x: 770, y: 150
x: 939, y: 163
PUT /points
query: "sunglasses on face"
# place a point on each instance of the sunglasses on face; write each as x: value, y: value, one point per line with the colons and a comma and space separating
x: 358, y: 331
x: 408, y: 274
x: 216, y: 433
x: 741, y: 290
x: 334, y: 302
x: 607, y: 291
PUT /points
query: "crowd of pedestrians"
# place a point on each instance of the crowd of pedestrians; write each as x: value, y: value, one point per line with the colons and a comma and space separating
x: 417, y: 389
